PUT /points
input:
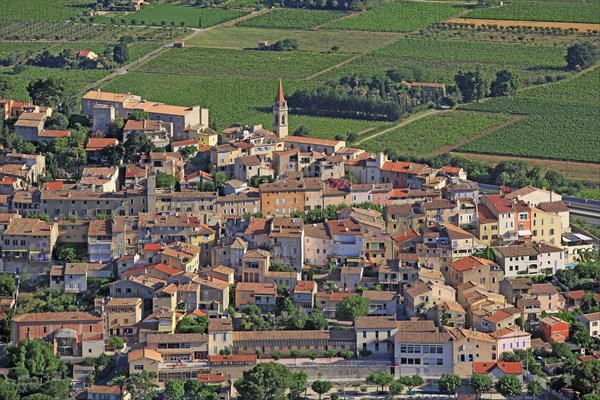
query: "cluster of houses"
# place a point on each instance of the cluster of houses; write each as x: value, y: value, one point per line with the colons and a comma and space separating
x: 436, y: 305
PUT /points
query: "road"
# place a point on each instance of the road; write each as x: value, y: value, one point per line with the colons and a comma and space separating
x: 120, y: 364
x: 155, y: 53
x: 589, y: 212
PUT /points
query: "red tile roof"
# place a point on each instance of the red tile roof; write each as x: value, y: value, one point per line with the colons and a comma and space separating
x: 95, y: 144
x: 506, y: 367
x: 468, y: 263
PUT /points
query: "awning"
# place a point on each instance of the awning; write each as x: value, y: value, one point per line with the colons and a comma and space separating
x: 525, y: 232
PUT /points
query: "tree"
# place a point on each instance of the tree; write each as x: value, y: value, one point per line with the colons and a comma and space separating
x: 139, y: 115
x: 471, y: 84
x: 590, y: 396
x: 8, y: 390
x: 316, y: 321
x: 298, y: 384
x: 113, y: 155
x: 329, y: 354
x: 449, y: 383
x: 188, y: 152
x: 505, y: 84
x: 295, y: 354
x: 302, y: 131
x: 534, y: 388
x: 581, y: 55
x: 276, y: 355
x: 313, y: 355
x: 136, y: 144
x: 51, y: 92
x: 481, y: 383
x: 7, y: 285
x: 5, y: 86
x: 116, y: 343
x: 396, y: 387
x: 321, y: 387
x: 352, y: 307
x: 346, y: 354
x: 174, y: 390
x: 57, y: 121
x: 36, y: 356
x: 66, y: 254
x: 141, y: 386
x: 380, y: 379
x: 557, y: 383
x: 412, y: 381
x: 56, y: 389
x: 18, y: 373
x: 219, y: 179
x: 193, y: 325
x: 509, y: 386
x: 266, y: 381
x: 164, y: 180
x: 587, y: 377
x: 121, y: 53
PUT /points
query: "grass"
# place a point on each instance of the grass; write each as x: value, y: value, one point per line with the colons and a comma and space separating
x: 42, y: 10
x: 318, y: 41
x: 249, y: 63
x: 551, y: 11
x: 424, y: 136
x: 193, y: 17
x: 231, y: 100
x: 398, y: 17
x: 285, y: 18
x: 561, y: 123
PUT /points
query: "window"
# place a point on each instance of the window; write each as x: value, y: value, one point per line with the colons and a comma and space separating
x: 138, y: 367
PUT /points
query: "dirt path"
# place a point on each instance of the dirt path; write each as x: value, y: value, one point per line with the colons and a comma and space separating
x: 401, y: 124
x: 323, y: 71
x: 155, y: 53
x: 354, y: 14
x: 447, y: 149
x: 580, y: 27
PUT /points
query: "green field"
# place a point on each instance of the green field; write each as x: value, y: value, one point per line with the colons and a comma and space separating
x: 318, y: 41
x: 245, y: 63
x: 42, y: 10
x: 562, y: 122
x: 398, y: 17
x: 424, y: 136
x: 439, y: 60
x: 285, y: 18
x: 551, y: 11
x: 76, y: 78
x: 231, y: 100
x: 193, y: 17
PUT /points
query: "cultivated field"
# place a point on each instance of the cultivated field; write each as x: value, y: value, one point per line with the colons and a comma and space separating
x: 242, y: 63
x: 318, y: 41
x: 42, y: 10
x: 561, y: 123
x: 439, y: 60
x: 292, y: 19
x: 172, y: 14
x: 76, y: 79
x: 578, y: 26
x: 571, y: 11
x: 398, y: 16
x: 424, y: 136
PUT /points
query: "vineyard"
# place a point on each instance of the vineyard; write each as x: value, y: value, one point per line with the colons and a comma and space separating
x: 398, y: 17
x: 249, y: 63
x: 174, y: 15
x: 41, y: 10
x: 231, y: 100
x: 291, y: 19
x: 439, y: 60
x: 552, y: 11
x: 76, y: 79
x: 75, y: 31
x: 318, y: 41
x: 424, y: 136
x: 561, y: 123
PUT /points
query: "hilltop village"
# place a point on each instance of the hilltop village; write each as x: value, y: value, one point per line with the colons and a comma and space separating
x: 161, y: 249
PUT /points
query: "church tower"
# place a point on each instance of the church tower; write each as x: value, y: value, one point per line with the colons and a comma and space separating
x: 280, y: 114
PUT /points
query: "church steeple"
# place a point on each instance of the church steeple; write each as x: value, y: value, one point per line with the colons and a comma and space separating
x: 280, y: 113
